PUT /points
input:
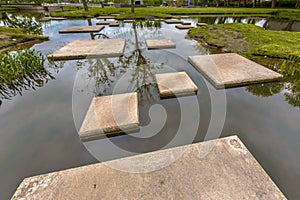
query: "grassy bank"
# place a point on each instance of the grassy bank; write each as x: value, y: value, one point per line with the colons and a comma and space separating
x: 249, y: 40
x: 10, y: 37
x: 163, y: 12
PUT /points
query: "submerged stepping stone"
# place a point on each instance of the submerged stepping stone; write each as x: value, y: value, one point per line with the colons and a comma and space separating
x: 173, y: 21
x: 109, y: 116
x: 160, y: 44
x: 184, y: 26
x: 201, y: 24
x: 80, y: 49
x: 103, y: 22
x: 114, y: 24
x: 186, y: 23
x: 175, y: 84
x: 82, y: 29
x: 230, y: 70
x: 106, y: 17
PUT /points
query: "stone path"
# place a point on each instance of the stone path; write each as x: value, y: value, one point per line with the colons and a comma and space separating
x: 230, y: 69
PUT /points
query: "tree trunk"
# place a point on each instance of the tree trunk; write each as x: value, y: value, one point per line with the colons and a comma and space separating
x: 218, y: 3
x: 273, y: 3
x: 254, y: 3
x: 132, y: 6
x: 239, y: 3
x: 298, y: 4
x: 85, y: 6
x: 245, y: 3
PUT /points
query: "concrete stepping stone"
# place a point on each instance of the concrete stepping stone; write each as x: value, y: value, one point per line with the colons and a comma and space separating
x: 230, y: 70
x: 186, y: 23
x: 184, y: 16
x: 217, y: 169
x: 160, y: 44
x: 114, y: 24
x: 103, y: 22
x: 106, y: 17
x: 201, y: 24
x: 128, y: 21
x: 175, y: 84
x: 184, y: 26
x: 80, y: 49
x: 82, y: 29
x: 58, y: 18
x: 173, y: 21
x: 109, y: 116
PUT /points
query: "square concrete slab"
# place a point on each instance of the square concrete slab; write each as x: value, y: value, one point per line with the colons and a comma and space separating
x: 175, y: 84
x: 218, y: 169
x: 114, y: 24
x: 103, y: 22
x: 128, y: 21
x: 184, y: 26
x: 172, y: 21
x: 230, y: 70
x: 81, y: 49
x: 109, y: 116
x: 186, y: 23
x: 106, y: 17
x: 82, y: 29
x: 160, y: 44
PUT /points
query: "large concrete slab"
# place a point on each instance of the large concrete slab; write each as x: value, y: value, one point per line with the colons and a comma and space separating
x: 230, y: 70
x: 219, y: 169
x: 175, y: 84
x: 184, y: 26
x: 82, y: 29
x: 173, y: 21
x: 109, y: 116
x: 80, y: 49
x: 160, y: 44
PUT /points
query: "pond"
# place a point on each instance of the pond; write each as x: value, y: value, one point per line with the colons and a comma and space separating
x: 39, y: 127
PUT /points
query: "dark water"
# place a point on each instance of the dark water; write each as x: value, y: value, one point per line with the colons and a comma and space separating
x: 39, y: 129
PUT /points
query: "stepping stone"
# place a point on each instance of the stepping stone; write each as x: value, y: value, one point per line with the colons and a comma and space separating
x: 44, y: 19
x: 80, y: 49
x: 186, y: 23
x: 82, y: 29
x: 175, y: 84
x: 184, y: 26
x: 128, y: 21
x: 160, y: 44
x: 185, y: 16
x: 103, y: 22
x: 58, y: 18
x: 230, y: 70
x: 106, y: 17
x: 109, y: 116
x: 114, y: 14
x: 201, y: 24
x: 114, y: 24
x: 172, y: 21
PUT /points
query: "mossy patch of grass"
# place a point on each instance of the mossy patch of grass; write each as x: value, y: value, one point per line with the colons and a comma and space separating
x: 249, y: 40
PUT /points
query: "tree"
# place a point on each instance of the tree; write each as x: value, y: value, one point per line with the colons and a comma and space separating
x: 273, y: 3
x: 132, y: 6
x: 86, y: 8
x: 298, y: 4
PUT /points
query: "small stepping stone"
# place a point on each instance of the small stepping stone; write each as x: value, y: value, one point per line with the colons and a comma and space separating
x: 186, y: 23
x: 184, y: 16
x: 114, y: 24
x: 230, y: 70
x: 160, y: 44
x: 82, y: 29
x: 106, y: 17
x: 114, y: 14
x: 109, y: 116
x: 103, y: 22
x: 128, y: 21
x: 201, y: 24
x: 172, y: 21
x: 184, y: 26
x: 175, y: 84
x: 58, y: 18
x: 44, y: 19
x: 80, y: 49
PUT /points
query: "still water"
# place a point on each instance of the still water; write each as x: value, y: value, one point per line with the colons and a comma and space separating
x: 39, y: 128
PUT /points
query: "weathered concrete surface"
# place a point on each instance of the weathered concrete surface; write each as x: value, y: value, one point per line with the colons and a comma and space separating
x: 201, y: 24
x: 106, y: 17
x: 172, y: 21
x: 230, y: 70
x: 184, y: 26
x: 109, y: 116
x: 80, y: 49
x: 160, y: 44
x: 227, y: 172
x: 114, y: 24
x: 103, y: 22
x: 128, y: 21
x: 175, y: 84
x: 186, y: 23
x: 82, y: 29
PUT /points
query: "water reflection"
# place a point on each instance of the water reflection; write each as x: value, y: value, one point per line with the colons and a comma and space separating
x: 267, y: 23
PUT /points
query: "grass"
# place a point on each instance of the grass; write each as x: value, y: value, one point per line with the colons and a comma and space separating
x: 13, y: 36
x: 163, y: 12
x: 250, y: 40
